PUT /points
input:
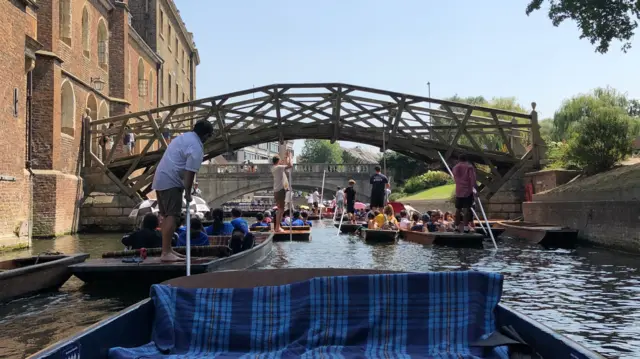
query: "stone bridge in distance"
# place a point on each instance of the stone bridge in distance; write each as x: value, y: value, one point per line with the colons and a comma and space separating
x: 223, y: 183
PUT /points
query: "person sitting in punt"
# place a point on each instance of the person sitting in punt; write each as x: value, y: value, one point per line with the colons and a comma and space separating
x: 424, y: 225
x: 260, y: 221
x: 236, y: 241
x: 305, y: 219
x: 147, y: 236
x: 238, y: 222
x: 387, y: 219
x: 198, y: 237
x: 219, y: 227
x: 267, y: 217
x: 405, y: 223
x: 415, y: 220
x: 371, y: 223
x: 297, y: 221
x: 182, y: 225
x: 286, y: 218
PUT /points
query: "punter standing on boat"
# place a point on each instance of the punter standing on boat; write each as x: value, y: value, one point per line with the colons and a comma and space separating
x: 280, y: 187
x: 464, y: 174
x: 174, y: 179
x: 350, y: 194
x: 378, y: 183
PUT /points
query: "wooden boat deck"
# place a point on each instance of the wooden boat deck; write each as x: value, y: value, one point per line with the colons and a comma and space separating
x: 349, y: 227
x: 548, y: 236
x: 379, y: 236
x: 449, y: 239
x: 296, y: 234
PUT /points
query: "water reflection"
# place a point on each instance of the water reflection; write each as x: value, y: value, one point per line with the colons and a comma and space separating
x: 589, y: 294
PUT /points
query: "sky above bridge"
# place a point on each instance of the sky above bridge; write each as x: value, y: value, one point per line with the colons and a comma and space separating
x: 464, y: 47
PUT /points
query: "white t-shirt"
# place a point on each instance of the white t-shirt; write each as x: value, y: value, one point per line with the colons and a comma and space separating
x: 184, y: 153
x: 316, y: 196
x: 310, y: 198
x: 340, y: 196
x: 280, y: 180
x: 405, y: 223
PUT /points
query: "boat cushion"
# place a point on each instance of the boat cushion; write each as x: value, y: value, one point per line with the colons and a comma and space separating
x: 417, y: 315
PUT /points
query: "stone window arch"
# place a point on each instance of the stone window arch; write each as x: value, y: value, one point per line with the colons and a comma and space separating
x: 86, y: 42
x: 65, y: 21
x: 143, y: 86
x: 92, y: 105
x: 67, y: 108
x: 150, y: 86
x: 103, y: 44
x: 103, y: 111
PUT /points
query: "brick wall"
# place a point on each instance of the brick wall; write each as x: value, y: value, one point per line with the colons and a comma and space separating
x: 549, y: 179
x: 14, y: 195
x: 118, y: 54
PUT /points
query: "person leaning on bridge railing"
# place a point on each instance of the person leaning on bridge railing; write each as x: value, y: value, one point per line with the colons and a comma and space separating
x: 183, y: 157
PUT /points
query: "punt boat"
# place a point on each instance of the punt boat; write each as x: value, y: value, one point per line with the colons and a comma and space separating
x: 379, y: 235
x: 449, y: 239
x: 130, y: 268
x: 295, y: 233
x: 23, y: 276
x: 497, y: 232
x: 548, y: 236
x: 348, y: 228
x: 214, y: 314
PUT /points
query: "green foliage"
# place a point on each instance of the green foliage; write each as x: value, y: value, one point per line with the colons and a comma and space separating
x: 320, y: 151
x: 402, y: 167
x: 546, y: 129
x: 425, y: 181
x: 599, y: 21
x: 397, y: 195
x: 348, y: 157
x: 557, y: 156
x: 601, y: 140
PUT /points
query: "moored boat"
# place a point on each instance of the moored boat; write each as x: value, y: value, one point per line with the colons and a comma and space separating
x: 295, y: 233
x: 313, y: 217
x: 497, y: 231
x: 449, y: 239
x: 125, y: 268
x: 548, y: 236
x: 379, y: 235
x: 148, y: 329
x: 349, y: 227
x: 23, y: 276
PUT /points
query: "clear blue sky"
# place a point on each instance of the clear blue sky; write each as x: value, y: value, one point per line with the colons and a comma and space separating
x: 464, y: 47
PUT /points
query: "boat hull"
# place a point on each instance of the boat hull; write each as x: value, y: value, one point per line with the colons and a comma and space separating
x: 348, y: 228
x: 379, y: 236
x: 298, y: 234
x: 51, y: 272
x: 497, y: 232
x: 548, y: 236
x: 449, y: 239
x: 112, y: 272
x: 132, y: 326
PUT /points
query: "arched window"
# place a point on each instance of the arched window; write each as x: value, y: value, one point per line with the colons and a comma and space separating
x: 103, y: 42
x: 68, y: 108
x: 92, y: 104
x: 150, y: 86
x: 86, y: 43
x: 104, y: 110
x: 143, y: 86
x: 65, y: 21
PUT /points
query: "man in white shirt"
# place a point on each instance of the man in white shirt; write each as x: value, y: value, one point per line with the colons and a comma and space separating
x: 316, y: 200
x: 280, y: 187
x: 174, y: 178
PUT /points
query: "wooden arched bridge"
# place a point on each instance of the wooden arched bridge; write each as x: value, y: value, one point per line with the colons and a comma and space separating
x: 501, y: 142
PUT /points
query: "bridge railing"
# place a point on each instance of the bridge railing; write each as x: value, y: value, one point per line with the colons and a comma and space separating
x: 297, y: 168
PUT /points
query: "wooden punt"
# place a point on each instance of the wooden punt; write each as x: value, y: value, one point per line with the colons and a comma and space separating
x: 313, y: 217
x: 297, y: 234
x: 24, y: 276
x: 449, y: 239
x: 132, y: 327
x: 112, y: 271
x: 497, y: 231
x: 260, y: 229
x: 379, y: 235
x: 548, y: 236
x: 348, y: 228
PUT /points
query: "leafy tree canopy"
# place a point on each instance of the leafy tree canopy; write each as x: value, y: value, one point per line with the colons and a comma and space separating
x: 320, y: 151
x: 402, y: 167
x: 599, y: 21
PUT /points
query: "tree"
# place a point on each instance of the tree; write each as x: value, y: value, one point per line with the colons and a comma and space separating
x: 599, y: 21
x: 601, y: 140
x: 320, y: 151
x: 402, y: 167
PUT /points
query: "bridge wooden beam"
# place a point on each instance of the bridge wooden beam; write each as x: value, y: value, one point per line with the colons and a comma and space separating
x: 396, y: 121
x: 220, y: 122
x: 337, y: 111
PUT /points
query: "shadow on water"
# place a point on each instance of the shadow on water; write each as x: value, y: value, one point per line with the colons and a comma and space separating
x: 588, y: 294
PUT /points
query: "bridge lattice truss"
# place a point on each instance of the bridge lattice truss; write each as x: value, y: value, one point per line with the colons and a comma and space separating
x: 501, y: 142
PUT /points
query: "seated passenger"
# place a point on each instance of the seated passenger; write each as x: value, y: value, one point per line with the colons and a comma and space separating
x: 267, y: 217
x: 260, y: 222
x: 238, y: 222
x: 147, y: 236
x: 404, y: 221
x: 235, y: 243
x: 286, y: 219
x: 219, y: 227
x: 198, y: 237
x: 386, y: 220
x: 371, y: 223
x: 248, y: 241
x: 297, y: 221
x: 182, y: 227
x: 305, y: 219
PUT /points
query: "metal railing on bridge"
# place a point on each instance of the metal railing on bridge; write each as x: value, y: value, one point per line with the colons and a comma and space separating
x: 297, y: 168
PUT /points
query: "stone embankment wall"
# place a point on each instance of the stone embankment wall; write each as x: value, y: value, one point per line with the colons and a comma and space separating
x: 105, y: 208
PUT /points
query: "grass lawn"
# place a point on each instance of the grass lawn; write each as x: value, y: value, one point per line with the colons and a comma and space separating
x: 442, y: 192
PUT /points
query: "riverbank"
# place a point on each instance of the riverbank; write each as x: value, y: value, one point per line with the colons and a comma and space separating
x: 605, y: 208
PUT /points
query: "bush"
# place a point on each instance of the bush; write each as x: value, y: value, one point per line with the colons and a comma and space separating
x: 425, y: 181
x: 397, y: 195
x: 600, y: 141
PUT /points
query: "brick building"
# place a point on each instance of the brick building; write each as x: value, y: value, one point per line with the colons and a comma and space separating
x: 89, y: 61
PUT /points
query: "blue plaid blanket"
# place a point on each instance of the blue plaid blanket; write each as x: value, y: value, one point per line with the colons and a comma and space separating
x: 422, y: 315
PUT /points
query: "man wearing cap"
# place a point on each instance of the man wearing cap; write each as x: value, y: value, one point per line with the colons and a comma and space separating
x: 174, y: 179
x: 350, y: 196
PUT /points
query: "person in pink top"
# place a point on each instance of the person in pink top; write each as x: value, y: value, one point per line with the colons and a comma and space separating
x: 464, y: 174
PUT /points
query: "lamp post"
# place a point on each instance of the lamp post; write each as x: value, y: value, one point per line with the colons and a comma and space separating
x: 97, y: 83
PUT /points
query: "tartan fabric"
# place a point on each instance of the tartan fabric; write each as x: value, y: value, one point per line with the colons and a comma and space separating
x: 422, y: 315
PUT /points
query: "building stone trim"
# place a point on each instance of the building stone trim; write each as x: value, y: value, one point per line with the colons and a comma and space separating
x: 31, y: 46
x: 176, y: 15
x: 49, y: 54
x: 133, y: 34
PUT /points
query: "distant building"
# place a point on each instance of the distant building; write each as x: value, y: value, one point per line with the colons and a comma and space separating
x: 261, y: 153
x: 363, y: 155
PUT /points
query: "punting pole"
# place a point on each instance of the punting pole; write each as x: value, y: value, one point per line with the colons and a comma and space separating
x: 324, y: 173
x: 188, y: 239
x: 341, y: 219
x: 290, y: 206
x: 472, y: 210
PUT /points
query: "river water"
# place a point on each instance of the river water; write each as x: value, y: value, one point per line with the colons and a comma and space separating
x: 590, y: 295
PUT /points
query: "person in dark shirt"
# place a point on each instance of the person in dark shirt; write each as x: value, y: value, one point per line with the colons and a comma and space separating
x: 147, y: 236
x: 198, y: 237
x: 378, y: 183
x: 260, y: 221
x: 305, y: 219
x: 236, y: 241
x: 297, y: 221
x: 350, y: 194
